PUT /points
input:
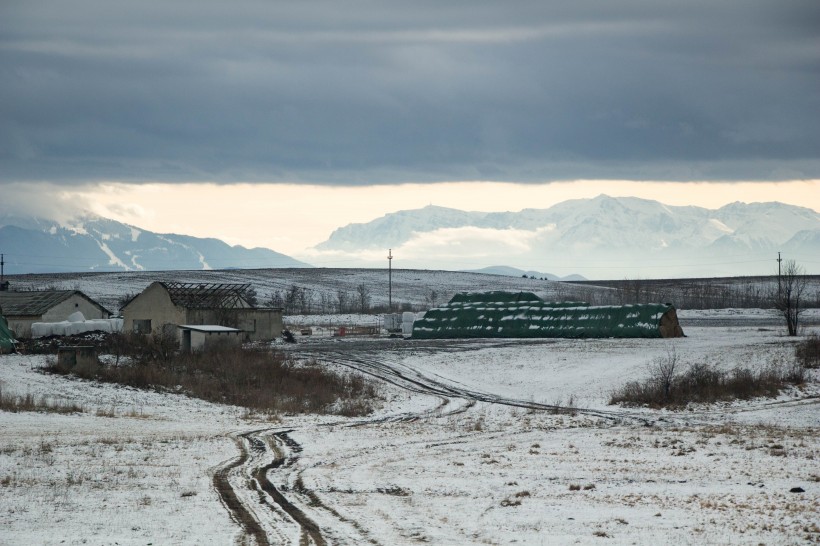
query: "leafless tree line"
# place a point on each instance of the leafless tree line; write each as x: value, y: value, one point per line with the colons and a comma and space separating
x: 695, y: 293
x: 299, y: 300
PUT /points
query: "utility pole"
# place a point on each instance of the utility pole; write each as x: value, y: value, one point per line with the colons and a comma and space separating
x: 390, y: 280
x: 779, y: 289
x: 2, y: 271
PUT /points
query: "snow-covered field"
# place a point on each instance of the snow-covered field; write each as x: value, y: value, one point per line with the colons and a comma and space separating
x: 409, y: 286
x: 433, y: 465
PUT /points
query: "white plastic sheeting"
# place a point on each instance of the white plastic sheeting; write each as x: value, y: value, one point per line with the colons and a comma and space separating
x: 73, y: 327
x: 407, y: 319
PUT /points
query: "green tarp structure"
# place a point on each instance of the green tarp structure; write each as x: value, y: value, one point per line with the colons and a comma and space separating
x: 525, y: 315
x: 6, y: 339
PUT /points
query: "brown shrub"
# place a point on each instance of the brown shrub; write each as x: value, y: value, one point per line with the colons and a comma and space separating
x: 808, y: 352
x: 702, y: 383
x: 256, y: 379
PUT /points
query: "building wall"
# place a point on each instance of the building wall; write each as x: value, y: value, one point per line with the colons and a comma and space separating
x: 153, y: 304
x: 260, y: 324
x: 21, y: 326
x: 62, y: 310
x: 201, y: 341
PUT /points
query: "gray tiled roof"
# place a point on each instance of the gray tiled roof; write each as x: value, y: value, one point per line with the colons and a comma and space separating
x: 15, y: 304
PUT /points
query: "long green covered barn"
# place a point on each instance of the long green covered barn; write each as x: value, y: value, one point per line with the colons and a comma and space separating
x: 525, y: 315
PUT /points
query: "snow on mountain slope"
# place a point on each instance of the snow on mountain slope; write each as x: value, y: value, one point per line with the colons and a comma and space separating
x: 399, y: 227
x: 93, y: 243
x: 616, y: 232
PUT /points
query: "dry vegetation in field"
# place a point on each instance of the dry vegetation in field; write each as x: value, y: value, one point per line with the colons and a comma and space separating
x: 671, y: 385
x: 808, y: 352
x: 14, y: 404
x: 260, y: 380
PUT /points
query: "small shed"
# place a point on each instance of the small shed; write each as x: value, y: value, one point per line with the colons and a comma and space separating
x: 201, y: 337
x: 525, y: 315
x: 22, y: 309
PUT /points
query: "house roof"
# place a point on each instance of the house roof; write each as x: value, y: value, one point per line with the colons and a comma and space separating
x: 36, y: 303
x: 207, y: 295
x: 210, y: 328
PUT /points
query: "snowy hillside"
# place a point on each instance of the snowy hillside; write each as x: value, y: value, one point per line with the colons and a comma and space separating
x: 93, y: 243
x: 409, y: 286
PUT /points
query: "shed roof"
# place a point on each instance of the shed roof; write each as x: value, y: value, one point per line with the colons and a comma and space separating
x: 210, y: 328
x: 36, y: 303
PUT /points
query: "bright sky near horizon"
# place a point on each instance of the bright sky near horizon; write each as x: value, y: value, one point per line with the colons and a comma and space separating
x: 291, y: 218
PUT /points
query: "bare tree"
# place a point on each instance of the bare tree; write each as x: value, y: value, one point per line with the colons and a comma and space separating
x: 276, y: 299
x: 251, y: 296
x: 325, y: 302
x: 343, y: 298
x: 663, y: 371
x: 431, y: 299
x: 363, y: 297
x: 293, y: 298
x: 306, y: 301
x: 791, y: 284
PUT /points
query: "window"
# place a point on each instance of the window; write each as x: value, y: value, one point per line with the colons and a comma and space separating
x: 142, y: 326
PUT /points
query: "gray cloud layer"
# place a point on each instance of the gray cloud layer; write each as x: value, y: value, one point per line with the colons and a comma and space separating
x: 370, y: 92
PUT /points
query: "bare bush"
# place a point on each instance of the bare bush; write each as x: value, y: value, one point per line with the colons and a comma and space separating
x: 808, y: 352
x: 255, y: 379
x: 702, y: 383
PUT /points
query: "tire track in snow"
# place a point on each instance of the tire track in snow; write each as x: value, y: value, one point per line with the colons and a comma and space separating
x: 238, y: 512
x: 374, y: 364
x: 310, y: 531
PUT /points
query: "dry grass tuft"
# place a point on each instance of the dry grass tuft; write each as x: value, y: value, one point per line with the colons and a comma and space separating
x: 29, y: 402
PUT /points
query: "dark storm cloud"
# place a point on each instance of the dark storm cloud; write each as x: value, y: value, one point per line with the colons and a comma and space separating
x: 370, y: 92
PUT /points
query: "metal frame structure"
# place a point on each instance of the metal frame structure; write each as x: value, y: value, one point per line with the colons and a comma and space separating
x: 191, y: 295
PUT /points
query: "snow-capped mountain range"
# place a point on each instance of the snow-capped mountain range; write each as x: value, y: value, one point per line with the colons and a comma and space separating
x: 604, y: 237
x: 93, y: 243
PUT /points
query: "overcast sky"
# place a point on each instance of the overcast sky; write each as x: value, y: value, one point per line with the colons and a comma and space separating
x: 365, y: 92
x: 271, y: 123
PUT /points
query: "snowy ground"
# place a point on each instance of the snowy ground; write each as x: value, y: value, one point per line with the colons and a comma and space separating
x: 432, y: 466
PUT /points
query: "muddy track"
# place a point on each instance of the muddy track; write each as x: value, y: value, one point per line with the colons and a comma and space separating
x: 310, y: 532
x: 378, y: 364
x: 251, y: 464
x: 239, y: 513
x: 267, y: 451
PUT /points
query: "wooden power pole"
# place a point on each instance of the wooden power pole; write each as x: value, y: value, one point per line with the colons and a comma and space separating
x: 390, y: 280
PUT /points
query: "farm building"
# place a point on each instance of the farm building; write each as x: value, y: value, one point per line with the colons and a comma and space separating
x: 22, y: 309
x: 525, y: 315
x: 163, y: 306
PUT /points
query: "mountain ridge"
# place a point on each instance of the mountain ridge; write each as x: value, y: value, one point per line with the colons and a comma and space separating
x: 93, y: 243
x: 602, y: 232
